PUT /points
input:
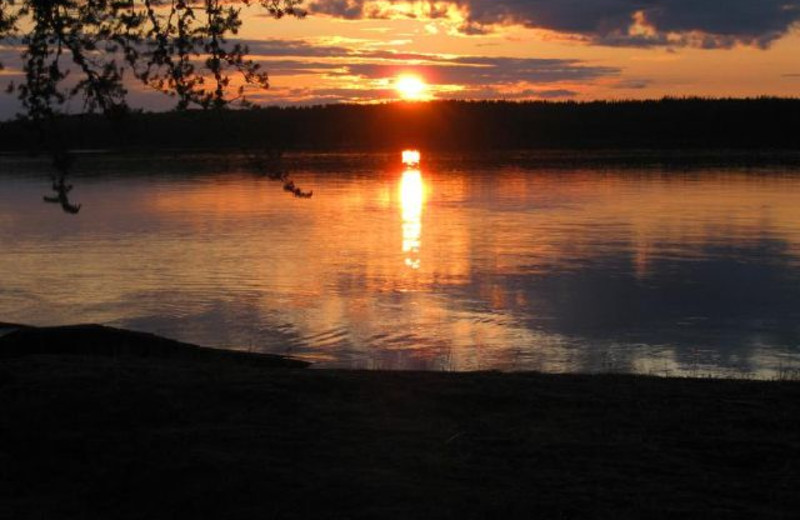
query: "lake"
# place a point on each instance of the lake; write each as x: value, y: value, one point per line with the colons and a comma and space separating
x: 465, y: 264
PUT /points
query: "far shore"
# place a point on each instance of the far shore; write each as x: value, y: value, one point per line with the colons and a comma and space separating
x: 117, y: 430
x: 673, y: 124
x: 91, y: 159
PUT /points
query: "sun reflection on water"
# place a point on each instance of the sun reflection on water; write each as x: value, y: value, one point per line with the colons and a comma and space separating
x: 412, y: 200
x: 411, y: 158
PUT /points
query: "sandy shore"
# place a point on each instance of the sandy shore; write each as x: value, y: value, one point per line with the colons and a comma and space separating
x: 127, y: 437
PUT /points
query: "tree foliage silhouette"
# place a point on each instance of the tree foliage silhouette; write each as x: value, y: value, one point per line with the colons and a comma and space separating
x: 88, y: 49
x: 85, y: 49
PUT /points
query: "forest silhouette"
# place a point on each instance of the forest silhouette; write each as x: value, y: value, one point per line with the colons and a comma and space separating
x: 670, y: 123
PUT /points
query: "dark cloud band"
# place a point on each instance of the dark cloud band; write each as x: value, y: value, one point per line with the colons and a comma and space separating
x: 478, y: 77
x: 488, y: 71
x: 698, y: 23
x: 293, y: 57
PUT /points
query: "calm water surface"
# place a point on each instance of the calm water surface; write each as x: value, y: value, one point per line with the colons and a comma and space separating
x: 460, y: 266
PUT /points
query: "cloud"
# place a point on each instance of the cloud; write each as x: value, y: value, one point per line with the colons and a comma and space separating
x: 351, y: 10
x: 276, y: 47
x: 487, y: 71
x: 309, y: 49
x: 308, y: 58
x: 359, y: 74
x: 548, y: 94
x: 631, y: 84
x: 299, y: 67
x: 706, y: 24
x: 533, y: 69
x: 493, y: 93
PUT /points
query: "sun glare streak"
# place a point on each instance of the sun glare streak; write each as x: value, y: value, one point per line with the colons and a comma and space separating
x: 412, y: 200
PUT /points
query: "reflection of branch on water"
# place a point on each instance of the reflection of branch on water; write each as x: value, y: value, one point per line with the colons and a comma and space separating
x: 272, y: 166
x: 62, y: 162
x: 290, y: 187
x: 61, y: 188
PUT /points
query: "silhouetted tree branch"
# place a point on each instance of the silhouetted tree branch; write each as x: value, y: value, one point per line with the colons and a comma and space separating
x: 84, y: 48
x: 271, y: 165
x: 87, y: 50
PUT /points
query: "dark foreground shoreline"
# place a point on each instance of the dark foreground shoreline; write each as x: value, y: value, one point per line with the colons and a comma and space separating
x: 124, y: 436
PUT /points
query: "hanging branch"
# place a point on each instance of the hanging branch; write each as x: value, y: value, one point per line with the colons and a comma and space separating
x: 177, y: 47
x: 82, y: 49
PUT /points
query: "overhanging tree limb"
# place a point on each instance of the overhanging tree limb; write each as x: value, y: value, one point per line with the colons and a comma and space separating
x: 86, y: 49
x: 178, y: 47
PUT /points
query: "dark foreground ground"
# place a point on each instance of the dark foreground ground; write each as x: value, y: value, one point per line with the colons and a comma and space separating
x: 125, y: 437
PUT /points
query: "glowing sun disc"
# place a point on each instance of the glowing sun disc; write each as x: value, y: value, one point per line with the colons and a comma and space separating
x: 410, y: 87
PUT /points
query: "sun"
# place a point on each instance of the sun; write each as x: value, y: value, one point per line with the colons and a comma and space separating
x: 410, y: 87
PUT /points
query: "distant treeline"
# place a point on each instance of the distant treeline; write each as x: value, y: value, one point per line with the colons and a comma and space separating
x: 762, y: 123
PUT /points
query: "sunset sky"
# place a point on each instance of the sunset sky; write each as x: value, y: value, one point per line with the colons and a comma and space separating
x: 352, y: 50
x: 355, y: 50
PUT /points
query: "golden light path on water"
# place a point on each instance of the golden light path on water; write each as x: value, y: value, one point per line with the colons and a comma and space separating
x: 412, y: 200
